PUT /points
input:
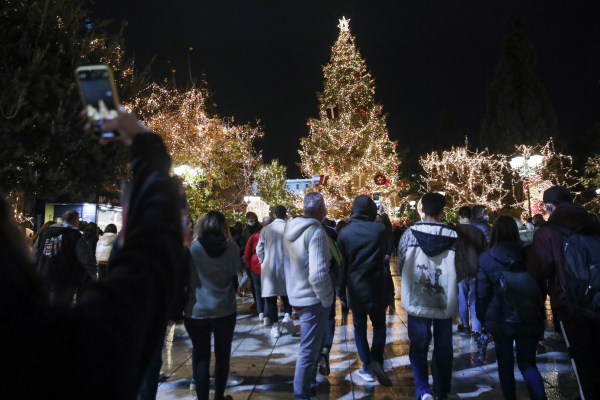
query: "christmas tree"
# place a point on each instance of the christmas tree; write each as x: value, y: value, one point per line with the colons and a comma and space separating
x: 519, y: 109
x: 348, y: 146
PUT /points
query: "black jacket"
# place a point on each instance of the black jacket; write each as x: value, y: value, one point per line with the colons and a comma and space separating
x: 361, y: 244
x: 63, y: 257
x: 508, y: 313
x: 105, y: 342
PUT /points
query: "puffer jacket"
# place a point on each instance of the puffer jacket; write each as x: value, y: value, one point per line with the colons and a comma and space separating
x: 361, y: 245
x: 508, y: 313
x: 484, y: 226
x: 104, y: 246
x: 250, y: 256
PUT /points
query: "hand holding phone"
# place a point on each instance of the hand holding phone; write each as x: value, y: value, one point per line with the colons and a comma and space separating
x: 99, y: 95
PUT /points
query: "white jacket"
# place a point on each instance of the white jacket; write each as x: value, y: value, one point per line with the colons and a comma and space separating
x: 307, y: 272
x: 270, y: 254
x: 104, y: 246
x: 429, y: 278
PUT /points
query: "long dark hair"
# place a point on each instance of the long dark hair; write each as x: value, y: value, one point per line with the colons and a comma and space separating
x: 385, y: 220
x: 504, y: 230
x: 215, y: 222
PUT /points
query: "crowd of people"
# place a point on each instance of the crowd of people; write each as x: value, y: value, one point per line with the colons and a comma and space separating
x: 129, y: 285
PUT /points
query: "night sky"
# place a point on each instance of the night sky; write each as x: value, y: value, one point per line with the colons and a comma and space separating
x: 263, y: 59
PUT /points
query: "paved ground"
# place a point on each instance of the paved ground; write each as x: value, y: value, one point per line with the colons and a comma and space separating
x: 267, y: 365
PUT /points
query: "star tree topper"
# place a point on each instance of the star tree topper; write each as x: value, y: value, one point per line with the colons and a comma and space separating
x: 344, y: 24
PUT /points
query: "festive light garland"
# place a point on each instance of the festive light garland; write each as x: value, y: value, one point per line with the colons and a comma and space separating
x: 223, y: 151
x: 349, y: 141
x: 554, y: 170
x: 467, y: 178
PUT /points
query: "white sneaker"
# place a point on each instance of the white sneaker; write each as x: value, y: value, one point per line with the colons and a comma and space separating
x: 289, y: 324
x: 287, y: 316
x: 192, y: 385
x: 261, y: 316
x: 275, y: 331
x: 267, y: 321
x: 366, y: 375
x: 426, y: 396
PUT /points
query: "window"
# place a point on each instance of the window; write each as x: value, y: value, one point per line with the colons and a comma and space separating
x: 297, y: 186
x: 306, y: 186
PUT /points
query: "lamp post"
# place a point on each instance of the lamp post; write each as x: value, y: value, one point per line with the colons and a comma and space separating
x: 524, y: 164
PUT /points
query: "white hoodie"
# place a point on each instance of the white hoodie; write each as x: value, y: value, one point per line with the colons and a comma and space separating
x: 307, y: 274
x: 104, y: 246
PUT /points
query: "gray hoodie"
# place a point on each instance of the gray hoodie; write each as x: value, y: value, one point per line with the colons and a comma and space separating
x: 307, y: 274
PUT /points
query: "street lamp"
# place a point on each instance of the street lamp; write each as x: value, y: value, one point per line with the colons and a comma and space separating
x: 523, y: 164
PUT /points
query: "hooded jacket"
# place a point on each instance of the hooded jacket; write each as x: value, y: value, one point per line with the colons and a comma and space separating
x: 430, y: 269
x: 271, y: 258
x: 496, y: 314
x: 361, y: 245
x: 546, y: 259
x: 104, y: 246
x: 307, y: 277
x: 213, y: 275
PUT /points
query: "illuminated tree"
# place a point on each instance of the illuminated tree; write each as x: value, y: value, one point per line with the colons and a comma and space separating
x: 44, y: 150
x: 592, y: 181
x: 271, y: 187
x: 467, y: 178
x: 348, y: 145
x: 519, y: 109
x: 216, y: 157
x: 554, y: 170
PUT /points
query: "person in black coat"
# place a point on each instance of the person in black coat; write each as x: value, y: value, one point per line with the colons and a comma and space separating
x: 361, y: 245
x: 510, y: 306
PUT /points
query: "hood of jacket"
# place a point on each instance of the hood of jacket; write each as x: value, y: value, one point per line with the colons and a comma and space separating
x: 214, y: 243
x: 107, y: 239
x: 296, y: 227
x: 433, y: 238
x: 364, y: 209
x: 510, y: 255
x: 575, y: 218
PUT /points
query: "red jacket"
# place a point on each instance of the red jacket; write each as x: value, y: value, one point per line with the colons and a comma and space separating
x: 250, y: 256
x: 545, y: 258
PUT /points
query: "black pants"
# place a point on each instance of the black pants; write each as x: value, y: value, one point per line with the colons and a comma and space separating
x: 260, y: 301
x: 149, y: 385
x: 271, y: 307
x: 583, y: 339
x: 249, y: 272
x: 200, y: 332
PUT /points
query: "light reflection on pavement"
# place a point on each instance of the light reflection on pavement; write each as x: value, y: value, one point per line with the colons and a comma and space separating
x: 267, y: 365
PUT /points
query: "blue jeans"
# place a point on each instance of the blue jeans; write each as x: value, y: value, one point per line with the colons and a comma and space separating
x: 526, y: 346
x: 313, y: 322
x: 260, y: 301
x: 200, y: 333
x: 467, y: 293
x: 375, y: 353
x: 419, y: 333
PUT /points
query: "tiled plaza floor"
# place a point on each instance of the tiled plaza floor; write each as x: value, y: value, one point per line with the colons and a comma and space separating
x: 267, y: 365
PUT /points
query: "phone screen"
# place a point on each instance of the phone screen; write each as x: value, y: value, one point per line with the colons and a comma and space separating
x: 98, y: 93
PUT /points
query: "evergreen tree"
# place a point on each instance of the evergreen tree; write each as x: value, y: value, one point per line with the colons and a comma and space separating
x: 45, y: 151
x: 519, y: 109
x: 348, y: 145
x: 271, y: 187
x: 448, y: 133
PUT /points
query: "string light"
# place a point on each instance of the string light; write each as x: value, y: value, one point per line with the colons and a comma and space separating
x: 553, y: 170
x: 349, y: 140
x: 221, y: 150
x: 466, y: 177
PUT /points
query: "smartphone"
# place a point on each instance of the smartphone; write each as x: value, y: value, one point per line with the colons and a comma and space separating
x: 99, y: 95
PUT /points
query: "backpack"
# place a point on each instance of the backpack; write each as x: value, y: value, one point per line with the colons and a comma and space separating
x: 519, y: 290
x: 582, y: 270
x: 336, y: 256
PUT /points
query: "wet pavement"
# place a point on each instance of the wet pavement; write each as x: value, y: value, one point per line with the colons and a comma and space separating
x: 266, y: 365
